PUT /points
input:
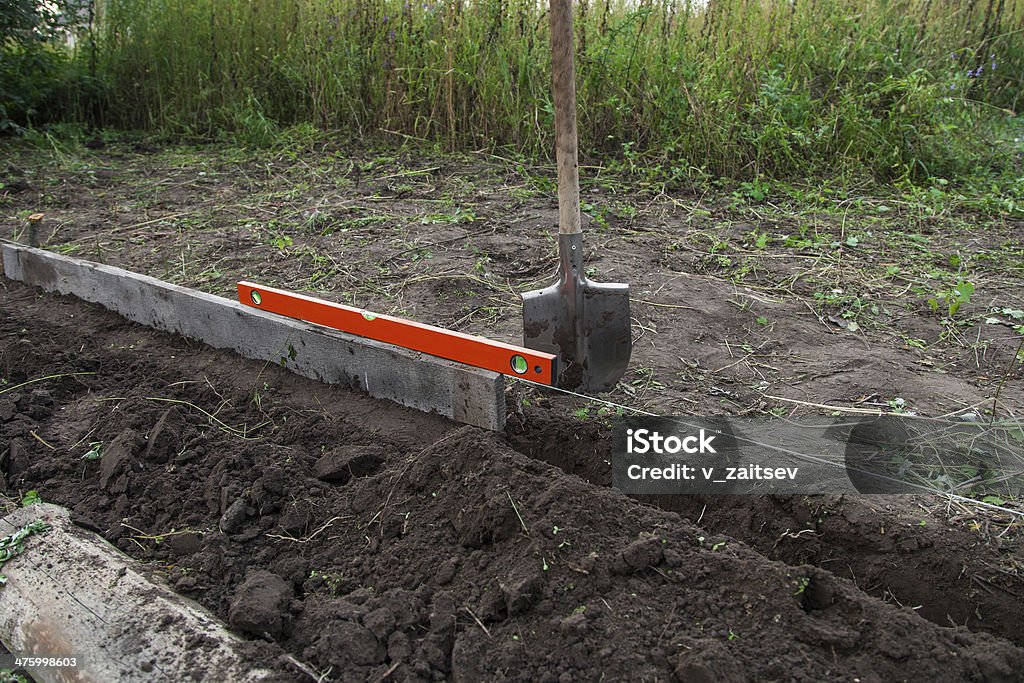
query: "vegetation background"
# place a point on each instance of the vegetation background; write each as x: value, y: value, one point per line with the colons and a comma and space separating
x: 892, y: 90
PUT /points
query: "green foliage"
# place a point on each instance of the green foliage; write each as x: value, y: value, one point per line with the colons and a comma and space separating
x: 41, y: 78
x: 8, y: 676
x: 13, y: 544
x: 952, y: 298
x: 676, y: 90
x: 20, y: 19
x: 26, y: 20
x: 95, y: 451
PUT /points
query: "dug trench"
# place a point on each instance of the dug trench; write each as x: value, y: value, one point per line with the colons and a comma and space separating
x: 370, y: 542
x: 952, y: 568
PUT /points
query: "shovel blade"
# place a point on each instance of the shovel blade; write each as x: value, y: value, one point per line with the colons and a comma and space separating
x: 587, y: 325
x: 607, y: 334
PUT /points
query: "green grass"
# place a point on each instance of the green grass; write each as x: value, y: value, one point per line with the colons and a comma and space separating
x: 13, y: 544
x: 671, y: 90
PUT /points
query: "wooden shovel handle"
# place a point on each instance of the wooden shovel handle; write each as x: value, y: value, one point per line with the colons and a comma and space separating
x: 563, y: 87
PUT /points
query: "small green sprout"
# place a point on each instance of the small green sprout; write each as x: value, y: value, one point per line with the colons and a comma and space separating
x: 95, y: 451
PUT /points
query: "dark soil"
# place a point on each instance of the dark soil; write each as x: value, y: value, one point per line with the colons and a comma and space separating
x: 377, y: 542
x: 953, y: 569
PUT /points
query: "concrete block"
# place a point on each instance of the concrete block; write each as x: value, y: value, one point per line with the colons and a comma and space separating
x: 72, y: 594
x: 460, y: 392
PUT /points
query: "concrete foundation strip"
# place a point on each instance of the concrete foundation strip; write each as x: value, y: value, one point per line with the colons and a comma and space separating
x: 462, y: 393
x: 72, y: 594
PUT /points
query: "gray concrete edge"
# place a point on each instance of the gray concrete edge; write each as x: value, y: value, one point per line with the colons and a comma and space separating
x: 410, y: 378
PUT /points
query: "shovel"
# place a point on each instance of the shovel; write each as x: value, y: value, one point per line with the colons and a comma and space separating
x: 586, y: 324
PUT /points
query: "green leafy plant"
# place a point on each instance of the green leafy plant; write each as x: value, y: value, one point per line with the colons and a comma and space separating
x: 897, y: 405
x: 281, y: 241
x: 8, y: 676
x: 756, y: 190
x: 952, y: 299
x: 13, y: 544
x: 95, y: 451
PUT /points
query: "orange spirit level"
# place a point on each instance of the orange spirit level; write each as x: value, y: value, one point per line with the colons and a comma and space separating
x: 483, y: 353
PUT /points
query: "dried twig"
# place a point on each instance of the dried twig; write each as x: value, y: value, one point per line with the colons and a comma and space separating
x: 40, y: 439
x: 525, y: 530
x: 478, y: 622
x: 313, y: 535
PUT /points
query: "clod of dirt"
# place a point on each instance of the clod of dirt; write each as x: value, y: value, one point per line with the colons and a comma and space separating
x: 442, y: 612
x: 117, y: 456
x: 491, y: 608
x: 818, y: 592
x: 708, y: 661
x: 345, y: 642
x: 381, y: 622
x: 85, y: 521
x: 435, y: 652
x: 6, y: 410
x: 18, y: 459
x: 234, y: 517
x: 341, y: 464
x: 184, y: 543
x: 164, y: 439
x: 407, y: 607
x: 399, y: 647
x: 638, y: 555
x: 260, y: 605
x: 39, y: 404
x: 494, y: 521
x: 296, y: 518
x: 573, y: 625
x: 446, y: 572
x: 466, y: 659
x: 523, y: 595
x: 361, y: 645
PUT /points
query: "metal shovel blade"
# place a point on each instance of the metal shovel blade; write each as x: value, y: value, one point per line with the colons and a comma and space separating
x: 586, y: 324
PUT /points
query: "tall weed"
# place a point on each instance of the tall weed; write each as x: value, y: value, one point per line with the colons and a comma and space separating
x: 894, y: 88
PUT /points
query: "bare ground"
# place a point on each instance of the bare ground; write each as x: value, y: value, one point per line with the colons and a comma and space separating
x: 740, y: 307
